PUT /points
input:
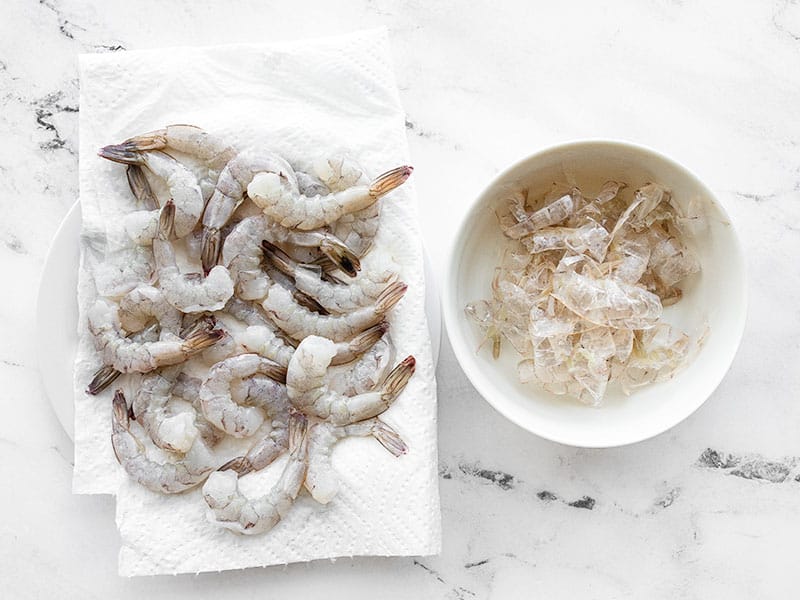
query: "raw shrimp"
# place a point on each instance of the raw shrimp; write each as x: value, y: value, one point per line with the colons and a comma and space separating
x: 125, y: 354
x: 176, y: 432
x: 321, y: 480
x: 287, y: 206
x: 219, y: 407
x: 308, y: 391
x: 299, y: 323
x: 357, y: 229
x: 361, y: 291
x: 167, y: 478
x: 230, y: 191
x: 242, y: 250
x: 232, y: 510
x: 145, y: 303
x: 184, y: 190
x: 107, y: 375
x: 189, y: 293
x: 261, y: 336
x: 366, y: 372
x: 122, y: 270
x: 210, y: 150
x: 140, y: 187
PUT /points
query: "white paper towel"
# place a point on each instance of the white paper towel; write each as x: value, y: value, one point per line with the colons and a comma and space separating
x: 303, y: 100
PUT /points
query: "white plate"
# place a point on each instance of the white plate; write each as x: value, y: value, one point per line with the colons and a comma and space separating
x: 57, y: 316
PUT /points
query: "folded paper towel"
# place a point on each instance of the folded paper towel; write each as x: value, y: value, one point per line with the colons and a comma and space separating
x: 303, y: 100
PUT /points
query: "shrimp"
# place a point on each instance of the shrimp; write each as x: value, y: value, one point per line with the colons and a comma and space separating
x: 125, y: 354
x: 232, y: 510
x: 282, y: 201
x: 321, y: 480
x: 366, y: 373
x: 357, y: 229
x: 140, y: 187
x: 219, y: 407
x: 191, y: 292
x: 122, y: 270
x: 145, y: 303
x: 298, y: 323
x: 309, y: 393
x: 184, y: 190
x: 175, y: 432
x: 106, y: 375
x: 167, y: 478
x: 230, y: 191
x: 241, y: 252
x: 361, y: 291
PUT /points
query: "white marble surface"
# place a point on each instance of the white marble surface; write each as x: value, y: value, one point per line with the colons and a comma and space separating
x: 714, y: 84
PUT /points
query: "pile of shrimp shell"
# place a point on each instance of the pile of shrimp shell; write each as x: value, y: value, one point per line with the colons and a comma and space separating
x: 582, y: 284
x: 274, y: 336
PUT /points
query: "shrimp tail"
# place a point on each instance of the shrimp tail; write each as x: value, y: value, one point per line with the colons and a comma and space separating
x: 202, y: 339
x: 211, y: 247
x: 275, y: 372
x: 124, y: 153
x: 155, y: 140
x: 390, y: 296
x: 398, y: 378
x: 298, y: 427
x: 104, y: 377
x: 389, y: 438
x: 309, y: 302
x: 166, y: 221
x: 341, y: 255
x: 140, y: 187
x: 240, y: 464
x: 390, y: 180
x: 368, y: 338
x: 120, y: 412
x: 279, y: 259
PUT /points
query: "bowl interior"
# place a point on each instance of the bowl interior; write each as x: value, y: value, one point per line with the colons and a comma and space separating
x: 716, y: 297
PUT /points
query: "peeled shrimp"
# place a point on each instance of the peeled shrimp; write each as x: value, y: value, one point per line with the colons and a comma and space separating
x: 176, y: 432
x: 366, y: 372
x: 167, y: 478
x: 125, y: 354
x: 281, y: 200
x: 298, y: 322
x: 106, y: 375
x: 192, y: 292
x: 338, y: 298
x: 230, y: 191
x: 144, y: 304
x: 321, y: 480
x: 184, y: 190
x: 219, y: 407
x: 309, y: 392
x: 230, y: 509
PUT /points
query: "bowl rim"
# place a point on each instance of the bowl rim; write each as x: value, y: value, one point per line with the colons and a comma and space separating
x: 451, y: 313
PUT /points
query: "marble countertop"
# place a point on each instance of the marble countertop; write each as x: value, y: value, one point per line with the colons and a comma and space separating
x: 710, y: 509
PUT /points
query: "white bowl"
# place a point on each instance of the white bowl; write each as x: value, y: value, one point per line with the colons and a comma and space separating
x: 716, y: 296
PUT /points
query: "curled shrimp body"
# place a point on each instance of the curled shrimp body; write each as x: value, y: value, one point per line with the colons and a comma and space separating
x: 144, y: 304
x: 299, y: 322
x: 192, y: 292
x: 321, y: 480
x: 281, y: 199
x: 309, y: 392
x: 230, y: 191
x: 230, y: 509
x: 125, y: 354
x: 184, y: 190
x: 336, y: 298
x: 365, y: 373
x: 174, y: 432
x: 211, y: 151
x: 167, y: 478
x: 220, y: 408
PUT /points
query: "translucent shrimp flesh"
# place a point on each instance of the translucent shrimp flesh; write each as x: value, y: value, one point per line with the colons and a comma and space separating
x: 230, y: 509
x: 144, y: 304
x: 281, y: 200
x: 298, y: 322
x: 173, y: 432
x: 337, y: 298
x: 321, y: 479
x: 167, y: 478
x: 309, y: 392
x: 189, y: 293
x: 184, y: 191
x: 220, y: 408
x: 125, y: 354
